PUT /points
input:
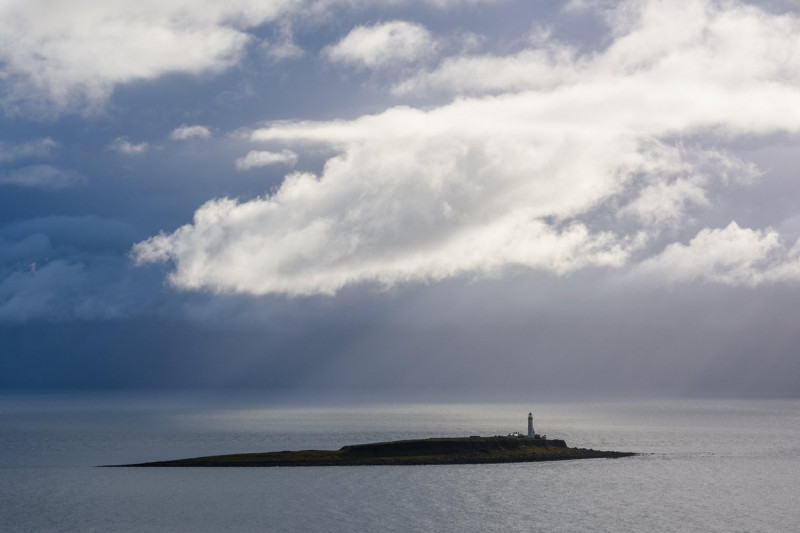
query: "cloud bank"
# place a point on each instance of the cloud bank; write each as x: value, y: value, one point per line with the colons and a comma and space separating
x: 586, y: 164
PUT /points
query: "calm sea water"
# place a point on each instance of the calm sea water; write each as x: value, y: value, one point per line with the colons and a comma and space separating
x: 708, y: 466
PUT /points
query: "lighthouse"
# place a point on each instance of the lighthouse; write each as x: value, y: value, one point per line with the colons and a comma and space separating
x: 530, y: 425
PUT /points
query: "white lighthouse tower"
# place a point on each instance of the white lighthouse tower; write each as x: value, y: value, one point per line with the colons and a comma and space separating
x: 530, y: 425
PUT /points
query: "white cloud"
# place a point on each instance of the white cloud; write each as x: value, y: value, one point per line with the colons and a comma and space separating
x: 388, y: 43
x: 589, y: 5
x: 73, y: 52
x: 69, y: 55
x: 537, y: 173
x: 324, y: 6
x: 263, y: 158
x: 185, y: 132
x: 492, y: 74
x: 708, y: 42
x: 41, y: 177
x: 732, y: 255
x: 323, y: 255
x: 677, y: 180
x: 124, y: 146
x: 665, y: 201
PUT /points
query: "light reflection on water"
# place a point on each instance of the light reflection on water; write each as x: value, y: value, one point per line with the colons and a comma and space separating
x: 710, y: 466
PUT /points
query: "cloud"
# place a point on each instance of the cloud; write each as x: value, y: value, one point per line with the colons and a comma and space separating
x: 282, y: 50
x: 492, y: 74
x: 36, y: 149
x: 283, y: 46
x: 262, y: 158
x: 65, y: 267
x: 678, y: 181
x: 30, y: 294
x: 184, y: 132
x: 708, y: 42
x: 732, y: 256
x: 588, y: 5
x: 70, y: 55
x: 73, y: 53
x: 303, y: 260
x: 42, y: 177
x: 88, y: 287
x: 324, y: 7
x: 124, y: 146
x: 584, y: 165
x: 385, y: 44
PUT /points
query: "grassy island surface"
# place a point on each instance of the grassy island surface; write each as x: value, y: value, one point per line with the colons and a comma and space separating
x: 465, y: 450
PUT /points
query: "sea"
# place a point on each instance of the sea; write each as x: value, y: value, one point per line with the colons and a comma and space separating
x: 704, y: 465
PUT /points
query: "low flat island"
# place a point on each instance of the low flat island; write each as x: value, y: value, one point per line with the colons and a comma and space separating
x: 436, y: 451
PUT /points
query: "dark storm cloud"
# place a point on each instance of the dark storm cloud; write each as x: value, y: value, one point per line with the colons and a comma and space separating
x: 64, y: 268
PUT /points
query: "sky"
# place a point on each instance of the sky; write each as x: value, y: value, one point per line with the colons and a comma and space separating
x: 452, y: 198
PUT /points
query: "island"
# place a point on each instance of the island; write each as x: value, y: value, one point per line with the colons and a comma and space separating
x: 434, y: 451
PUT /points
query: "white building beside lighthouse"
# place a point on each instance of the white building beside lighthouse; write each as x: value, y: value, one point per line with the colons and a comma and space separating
x: 530, y: 425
